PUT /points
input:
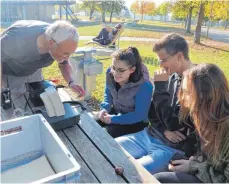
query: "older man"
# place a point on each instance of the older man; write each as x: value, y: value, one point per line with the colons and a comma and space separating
x: 28, y: 46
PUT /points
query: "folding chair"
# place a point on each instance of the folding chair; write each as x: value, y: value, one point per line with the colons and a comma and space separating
x: 116, y: 38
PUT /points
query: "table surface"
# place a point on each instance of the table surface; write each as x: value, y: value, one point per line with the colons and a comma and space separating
x: 97, y: 152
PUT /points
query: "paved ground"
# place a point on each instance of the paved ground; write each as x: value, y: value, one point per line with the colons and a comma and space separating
x: 124, y: 39
x: 216, y: 34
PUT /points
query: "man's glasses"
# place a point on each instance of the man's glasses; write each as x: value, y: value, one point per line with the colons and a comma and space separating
x: 64, y: 55
x: 164, y: 60
x: 119, y: 70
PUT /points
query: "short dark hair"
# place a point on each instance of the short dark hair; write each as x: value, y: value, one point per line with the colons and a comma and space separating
x: 173, y: 43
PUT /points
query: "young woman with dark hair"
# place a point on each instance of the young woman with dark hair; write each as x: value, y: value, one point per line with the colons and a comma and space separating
x: 127, y: 95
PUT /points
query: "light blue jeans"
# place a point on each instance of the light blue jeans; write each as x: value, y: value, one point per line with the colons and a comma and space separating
x: 149, y: 151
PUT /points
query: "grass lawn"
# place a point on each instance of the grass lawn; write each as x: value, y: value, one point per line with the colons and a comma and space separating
x: 146, y: 29
x: 208, y: 52
x: 198, y: 54
x: 140, y: 30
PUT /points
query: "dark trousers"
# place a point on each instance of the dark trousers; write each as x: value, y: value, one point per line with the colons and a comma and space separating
x: 176, y: 177
x: 103, y: 37
x: 103, y: 34
x: 119, y: 130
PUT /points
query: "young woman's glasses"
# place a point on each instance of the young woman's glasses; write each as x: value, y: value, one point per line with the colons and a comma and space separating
x: 119, y: 70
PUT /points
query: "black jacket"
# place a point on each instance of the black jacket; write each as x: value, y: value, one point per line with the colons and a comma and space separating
x: 164, y: 115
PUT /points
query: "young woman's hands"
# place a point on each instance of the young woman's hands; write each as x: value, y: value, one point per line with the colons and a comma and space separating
x: 102, y: 113
x: 106, y: 118
x: 179, y: 166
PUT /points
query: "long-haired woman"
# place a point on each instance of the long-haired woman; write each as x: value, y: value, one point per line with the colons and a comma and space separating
x: 205, y: 96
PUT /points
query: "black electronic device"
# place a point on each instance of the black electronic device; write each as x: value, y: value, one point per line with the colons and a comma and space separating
x: 35, y: 89
x: 69, y: 119
x: 60, y: 115
x: 6, y: 99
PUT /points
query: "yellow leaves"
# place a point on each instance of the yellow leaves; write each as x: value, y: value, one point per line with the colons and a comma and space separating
x: 217, y: 10
x: 134, y: 7
x: 143, y: 7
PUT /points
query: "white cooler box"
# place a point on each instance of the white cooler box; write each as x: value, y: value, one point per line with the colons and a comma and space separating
x: 32, y: 152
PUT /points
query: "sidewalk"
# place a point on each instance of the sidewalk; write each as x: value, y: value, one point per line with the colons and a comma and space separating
x: 124, y: 39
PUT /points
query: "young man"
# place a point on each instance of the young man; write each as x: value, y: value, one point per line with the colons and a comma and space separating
x: 166, y: 136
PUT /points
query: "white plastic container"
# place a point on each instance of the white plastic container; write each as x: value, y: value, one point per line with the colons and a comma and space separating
x: 35, y: 134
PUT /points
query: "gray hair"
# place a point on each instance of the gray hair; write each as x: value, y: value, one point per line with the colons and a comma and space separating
x: 62, y: 30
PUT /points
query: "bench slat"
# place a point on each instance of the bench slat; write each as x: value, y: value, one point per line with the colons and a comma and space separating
x: 94, y: 159
x: 133, y: 171
x: 86, y: 175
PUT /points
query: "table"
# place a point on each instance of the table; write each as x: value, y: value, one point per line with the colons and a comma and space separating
x: 98, y: 154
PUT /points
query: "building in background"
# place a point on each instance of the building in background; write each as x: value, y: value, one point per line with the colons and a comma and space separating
x: 13, y: 10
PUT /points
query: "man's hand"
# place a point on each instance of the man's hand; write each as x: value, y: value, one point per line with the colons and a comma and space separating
x: 179, y: 166
x: 106, y: 118
x: 174, y: 136
x: 161, y: 75
x: 77, y: 89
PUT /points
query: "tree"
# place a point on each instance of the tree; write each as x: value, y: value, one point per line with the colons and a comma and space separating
x: 115, y: 7
x: 179, y: 11
x: 218, y: 10
x: 112, y: 10
x: 151, y: 8
x: 189, y: 21
x: 182, y: 10
x: 146, y: 7
x: 164, y: 9
x: 135, y: 8
x: 103, y: 9
x: 197, y: 33
x: 90, y: 6
x: 143, y: 7
x: 226, y: 15
x: 182, y: 7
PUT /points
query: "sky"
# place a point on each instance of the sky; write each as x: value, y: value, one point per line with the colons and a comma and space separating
x: 157, y: 2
